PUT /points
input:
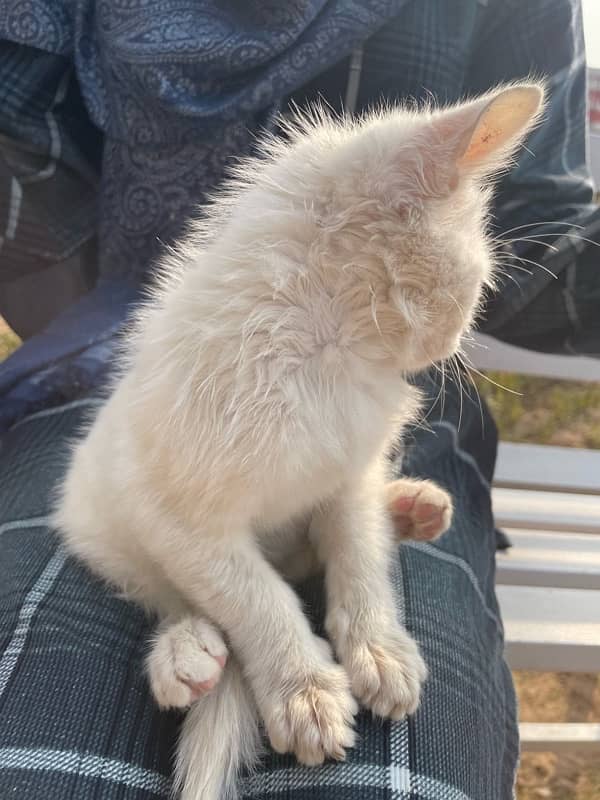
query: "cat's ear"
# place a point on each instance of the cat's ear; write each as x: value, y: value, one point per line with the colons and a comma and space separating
x: 483, y: 134
x: 501, y: 124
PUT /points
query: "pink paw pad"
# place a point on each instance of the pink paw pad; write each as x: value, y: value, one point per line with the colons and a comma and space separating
x: 199, y: 688
x: 402, y: 505
x: 426, y: 512
x: 202, y: 687
x: 420, y: 511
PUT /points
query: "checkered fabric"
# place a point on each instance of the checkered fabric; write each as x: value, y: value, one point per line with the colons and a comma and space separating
x: 76, y: 716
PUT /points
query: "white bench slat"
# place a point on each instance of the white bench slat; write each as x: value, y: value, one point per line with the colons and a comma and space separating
x: 540, y: 510
x: 562, y: 469
x: 544, y: 558
x: 560, y: 737
x: 551, y: 629
x: 488, y: 353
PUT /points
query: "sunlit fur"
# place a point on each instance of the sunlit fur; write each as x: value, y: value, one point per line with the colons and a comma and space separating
x: 259, y: 392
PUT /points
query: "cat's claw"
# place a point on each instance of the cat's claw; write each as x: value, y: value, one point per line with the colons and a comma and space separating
x: 387, y: 674
x: 185, y: 662
x: 419, y: 509
x: 314, y: 720
x: 385, y: 667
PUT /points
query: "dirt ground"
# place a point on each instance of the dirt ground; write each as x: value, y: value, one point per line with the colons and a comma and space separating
x: 558, y: 697
x: 545, y: 412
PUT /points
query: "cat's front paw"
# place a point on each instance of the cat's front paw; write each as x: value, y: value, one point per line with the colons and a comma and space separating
x: 314, y: 718
x: 419, y: 509
x: 185, y: 662
x: 385, y: 667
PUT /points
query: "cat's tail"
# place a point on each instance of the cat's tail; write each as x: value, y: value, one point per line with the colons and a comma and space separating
x: 220, y: 735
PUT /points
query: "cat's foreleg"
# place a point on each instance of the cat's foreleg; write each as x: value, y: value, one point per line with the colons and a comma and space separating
x: 354, y: 538
x: 302, y: 695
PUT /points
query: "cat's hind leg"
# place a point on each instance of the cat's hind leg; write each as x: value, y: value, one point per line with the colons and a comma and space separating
x: 420, y: 509
x: 188, y: 665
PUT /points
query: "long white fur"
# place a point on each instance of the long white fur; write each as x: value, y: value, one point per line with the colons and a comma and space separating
x: 246, y: 437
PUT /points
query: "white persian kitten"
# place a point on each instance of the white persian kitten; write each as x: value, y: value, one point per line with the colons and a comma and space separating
x: 246, y: 439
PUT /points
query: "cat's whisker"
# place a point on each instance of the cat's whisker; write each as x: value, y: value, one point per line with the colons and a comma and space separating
x: 530, y: 240
x: 443, y: 389
x: 458, y: 305
x: 510, y: 277
x: 493, y: 382
x: 536, y: 264
x: 575, y: 236
x: 422, y: 423
x: 458, y: 367
x: 516, y: 266
x: 439, y: 368
x: 502, y: 243
x: 460, y: 358
x: 499, y: 243
x: 468, y: 337
x: 452, y: 363
x: 537, y: 225
x: 375, y: 319
x: 436, y: 400
x: 509, y: 259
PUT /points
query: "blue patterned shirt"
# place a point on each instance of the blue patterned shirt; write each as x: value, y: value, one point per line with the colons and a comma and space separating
x: 131, y: 111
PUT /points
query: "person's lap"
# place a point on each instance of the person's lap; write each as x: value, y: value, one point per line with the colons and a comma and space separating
x: 77, y: 716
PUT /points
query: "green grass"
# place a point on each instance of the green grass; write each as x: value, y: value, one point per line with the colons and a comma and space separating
x: 544, y: 411
x: 9, y: 341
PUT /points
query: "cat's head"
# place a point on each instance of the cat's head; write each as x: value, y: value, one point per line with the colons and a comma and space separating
x: 401, y: 201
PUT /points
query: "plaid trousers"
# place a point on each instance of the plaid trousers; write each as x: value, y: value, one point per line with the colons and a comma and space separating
x: 76, y: 716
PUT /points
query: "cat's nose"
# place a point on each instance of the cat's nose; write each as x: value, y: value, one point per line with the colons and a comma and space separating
x: 443, y: 345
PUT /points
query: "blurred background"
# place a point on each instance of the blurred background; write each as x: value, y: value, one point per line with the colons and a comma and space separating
x: 567, y: 414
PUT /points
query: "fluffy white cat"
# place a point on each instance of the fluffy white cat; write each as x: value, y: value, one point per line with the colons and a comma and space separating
x: 245, y: 440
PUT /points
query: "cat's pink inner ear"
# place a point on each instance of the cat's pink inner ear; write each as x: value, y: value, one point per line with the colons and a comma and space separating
x: 478, y: 137
x: 500, y: 123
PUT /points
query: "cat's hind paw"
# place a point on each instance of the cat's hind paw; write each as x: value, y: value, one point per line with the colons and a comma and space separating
x: 185, y: 662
